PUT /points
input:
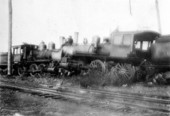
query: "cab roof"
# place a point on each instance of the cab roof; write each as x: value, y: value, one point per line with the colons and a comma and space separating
x: 139, y: 35
x: 146, y: 36
x: 25, y: 44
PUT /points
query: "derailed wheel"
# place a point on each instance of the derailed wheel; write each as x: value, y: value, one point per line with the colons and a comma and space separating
x: 33, y: 68
x: 123, y: 73
x: 98, y: 65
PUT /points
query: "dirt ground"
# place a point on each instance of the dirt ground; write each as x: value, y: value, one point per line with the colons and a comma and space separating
x: 14, y: 103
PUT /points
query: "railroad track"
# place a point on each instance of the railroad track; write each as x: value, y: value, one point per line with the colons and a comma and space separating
x: 136, y: 96
x: 96, y: 97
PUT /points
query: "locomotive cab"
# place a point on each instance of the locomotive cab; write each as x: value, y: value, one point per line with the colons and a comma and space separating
x: 143, y: 42
x: 23, y: 52
x: 131, y: 47
x: 17, y: 54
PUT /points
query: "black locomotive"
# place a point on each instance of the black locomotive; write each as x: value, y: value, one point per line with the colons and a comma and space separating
x: 126, y: 52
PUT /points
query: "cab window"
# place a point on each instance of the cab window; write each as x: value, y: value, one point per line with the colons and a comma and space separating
x: 137, y: 44
x: 18, y: 50
x: 143, y: 45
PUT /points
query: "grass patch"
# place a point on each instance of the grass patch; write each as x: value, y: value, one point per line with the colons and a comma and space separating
x: 45, y: 81
x: 93, y: 79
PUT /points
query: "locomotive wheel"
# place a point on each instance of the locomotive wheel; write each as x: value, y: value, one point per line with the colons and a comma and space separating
x: 41, y: 67
x: 98, y: 65
x: 21, y: 71
x: 33, y: 68
x: 123, y: 73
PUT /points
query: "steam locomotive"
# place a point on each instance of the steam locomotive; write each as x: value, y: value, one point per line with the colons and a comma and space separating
x: 125, y: 52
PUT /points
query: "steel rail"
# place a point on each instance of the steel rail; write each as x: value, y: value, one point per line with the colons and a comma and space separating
x: 92, y: 98
x: 136, y: 96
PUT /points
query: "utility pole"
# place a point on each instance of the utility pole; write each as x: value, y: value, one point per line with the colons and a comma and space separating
x: 130, y: 7
x: 158, y: 15
x: 10, y: 38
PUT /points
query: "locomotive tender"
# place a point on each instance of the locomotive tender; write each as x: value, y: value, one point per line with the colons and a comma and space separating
x: 124, y: 52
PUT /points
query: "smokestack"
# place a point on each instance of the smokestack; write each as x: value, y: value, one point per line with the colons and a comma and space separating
x: 62, y: 41
x: 76, y: 34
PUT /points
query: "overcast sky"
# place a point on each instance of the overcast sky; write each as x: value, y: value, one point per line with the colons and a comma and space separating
x: 45, y: 20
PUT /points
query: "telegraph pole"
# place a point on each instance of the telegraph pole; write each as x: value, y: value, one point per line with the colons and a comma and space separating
x: 158, y: 15
x: 10, y: 38
x: 130, y: 7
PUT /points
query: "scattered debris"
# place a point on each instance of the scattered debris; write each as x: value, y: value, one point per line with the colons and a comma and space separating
x: 160, y: 79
